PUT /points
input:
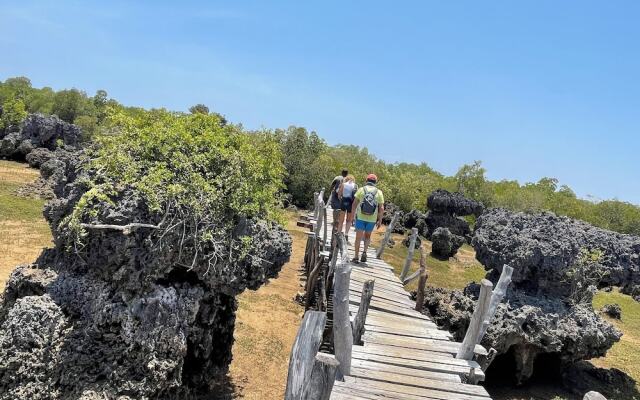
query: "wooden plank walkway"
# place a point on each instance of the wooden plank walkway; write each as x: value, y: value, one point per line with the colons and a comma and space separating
x: 405, y: 355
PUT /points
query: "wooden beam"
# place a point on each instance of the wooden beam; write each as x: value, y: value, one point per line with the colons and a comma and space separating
x: 365, y: 300
x: 303, y: 353
x: 422, y: 281
x: 342, y: 333
x: 496, y: 297
x: 409, y: 259
x: 467, y: 347
x: 322, y: 378
x: 387, y: 234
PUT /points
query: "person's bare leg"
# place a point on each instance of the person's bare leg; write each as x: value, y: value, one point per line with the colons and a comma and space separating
x: 347, y: 225
x: 357, y: 244
x: 367, y: 240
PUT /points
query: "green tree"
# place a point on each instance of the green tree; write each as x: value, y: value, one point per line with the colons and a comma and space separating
x: 13, y: 113
x: 69, y: 104
x: 199, y: 109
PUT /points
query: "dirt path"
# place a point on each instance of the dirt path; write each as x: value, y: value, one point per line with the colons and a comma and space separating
x: 266, y: 325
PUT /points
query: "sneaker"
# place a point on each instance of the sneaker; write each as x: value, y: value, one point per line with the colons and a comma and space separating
x: 355, y: 260
x: 363, y: 258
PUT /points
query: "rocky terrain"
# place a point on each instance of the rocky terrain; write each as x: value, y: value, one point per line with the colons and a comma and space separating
x: 558, y: 265
x: 37, y: 131
x: 129, y: 307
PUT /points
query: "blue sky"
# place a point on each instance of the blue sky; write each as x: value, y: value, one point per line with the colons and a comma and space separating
x: 531, y: 88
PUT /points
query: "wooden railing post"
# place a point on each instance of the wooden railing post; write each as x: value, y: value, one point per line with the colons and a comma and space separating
x: 363, y: 309
x: 422, y: 281
x: 315, y: 205
x: 468, y: 345
x: 320, y: 218
x: 342, y: 333
x: 496, y: 297
x: 322, y: 378
x: 324, y: 233
x: 303, y: 353
x: 387, y: 234
x: 409, y: 259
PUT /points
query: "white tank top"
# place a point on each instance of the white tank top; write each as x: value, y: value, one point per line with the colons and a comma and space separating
x: 347, y: 189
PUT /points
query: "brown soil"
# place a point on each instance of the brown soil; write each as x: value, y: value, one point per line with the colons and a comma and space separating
x: 266, y: 325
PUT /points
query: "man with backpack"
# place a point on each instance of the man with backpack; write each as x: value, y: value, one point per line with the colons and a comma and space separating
x: 368, y: 207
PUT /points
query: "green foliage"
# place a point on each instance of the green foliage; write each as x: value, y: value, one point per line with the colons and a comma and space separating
x: 199, y: 109
x: 13, y: 113
x: 310, y: 163
x: 194, y: 163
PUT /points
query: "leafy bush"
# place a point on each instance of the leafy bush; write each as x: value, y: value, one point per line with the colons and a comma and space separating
x: 13, y: 113
x: 191, y: 166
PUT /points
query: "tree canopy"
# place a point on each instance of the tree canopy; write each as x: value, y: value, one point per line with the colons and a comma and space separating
x: 304, y: 159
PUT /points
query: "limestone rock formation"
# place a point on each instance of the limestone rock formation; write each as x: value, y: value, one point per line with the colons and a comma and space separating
x: 136, y: 313
x: 558, y: 265
x: 445, y: 244
x: 544, y: 247
x: 445, y: 210
x: 612, y: 310
x: 390, y: 210
x: 37, y: 131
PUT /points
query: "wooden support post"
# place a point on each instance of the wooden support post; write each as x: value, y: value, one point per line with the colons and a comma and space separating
x: 482, y: 306
x: 315, y: 205
x: 324, y: 233
x: 312, y: 279
x: 320, y: 219
x: 363, y: 309
x: 422, y: 281
x: 342, y: 334
x: 387, y: 235
x: 303, y: 353
x: 496, y: 297
x: 485, y: 361
x: 322, y: 378
x: 409, y: 259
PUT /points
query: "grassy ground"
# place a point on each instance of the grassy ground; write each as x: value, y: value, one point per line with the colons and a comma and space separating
x: 266, y: 325
x: 23, y: 229
x: 455, y: 273
x: 624, y: 354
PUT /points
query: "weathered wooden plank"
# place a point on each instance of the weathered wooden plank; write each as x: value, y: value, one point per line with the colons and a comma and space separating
x: 368, y: 365
x: 468, y: 345
x: 443, y: 346
x: 409, y: 259
x: 363, y: 307
x: 322, y: 378
x: 422, y: 333
x: 430, y: 393
x: 387, y: 235
x: 400, y: 318
x: 342, y: 332
x: 430, y: 365
x: 303, y: 353
x: 354, y: 288
x: 386, y: 306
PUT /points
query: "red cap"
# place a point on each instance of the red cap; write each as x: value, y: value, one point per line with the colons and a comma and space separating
x: 372, y: 177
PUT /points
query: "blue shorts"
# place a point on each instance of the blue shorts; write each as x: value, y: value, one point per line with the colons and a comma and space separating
x: 364, y: 225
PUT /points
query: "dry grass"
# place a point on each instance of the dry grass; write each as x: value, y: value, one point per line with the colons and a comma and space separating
x: 23, y: 229
x: 454, y: 273
x: 266, y: 325
x: 623, y: 355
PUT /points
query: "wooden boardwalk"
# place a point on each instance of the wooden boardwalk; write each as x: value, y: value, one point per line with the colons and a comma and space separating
x: 404, y: 355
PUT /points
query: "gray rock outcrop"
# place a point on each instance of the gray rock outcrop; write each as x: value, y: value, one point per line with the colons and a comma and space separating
x: 133, y: 314
x: 37, y: 131
x: 445, y: 244
x: 445, y: 210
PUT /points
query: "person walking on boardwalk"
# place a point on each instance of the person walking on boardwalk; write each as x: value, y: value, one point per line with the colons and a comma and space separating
x: 346, y: 193
x: 368, y: 207
x: 334, y: 198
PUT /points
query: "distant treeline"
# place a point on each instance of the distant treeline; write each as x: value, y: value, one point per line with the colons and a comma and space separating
x: 310, y: 163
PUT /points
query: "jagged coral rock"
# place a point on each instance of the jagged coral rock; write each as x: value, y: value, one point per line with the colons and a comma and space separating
x: 132, y: 314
